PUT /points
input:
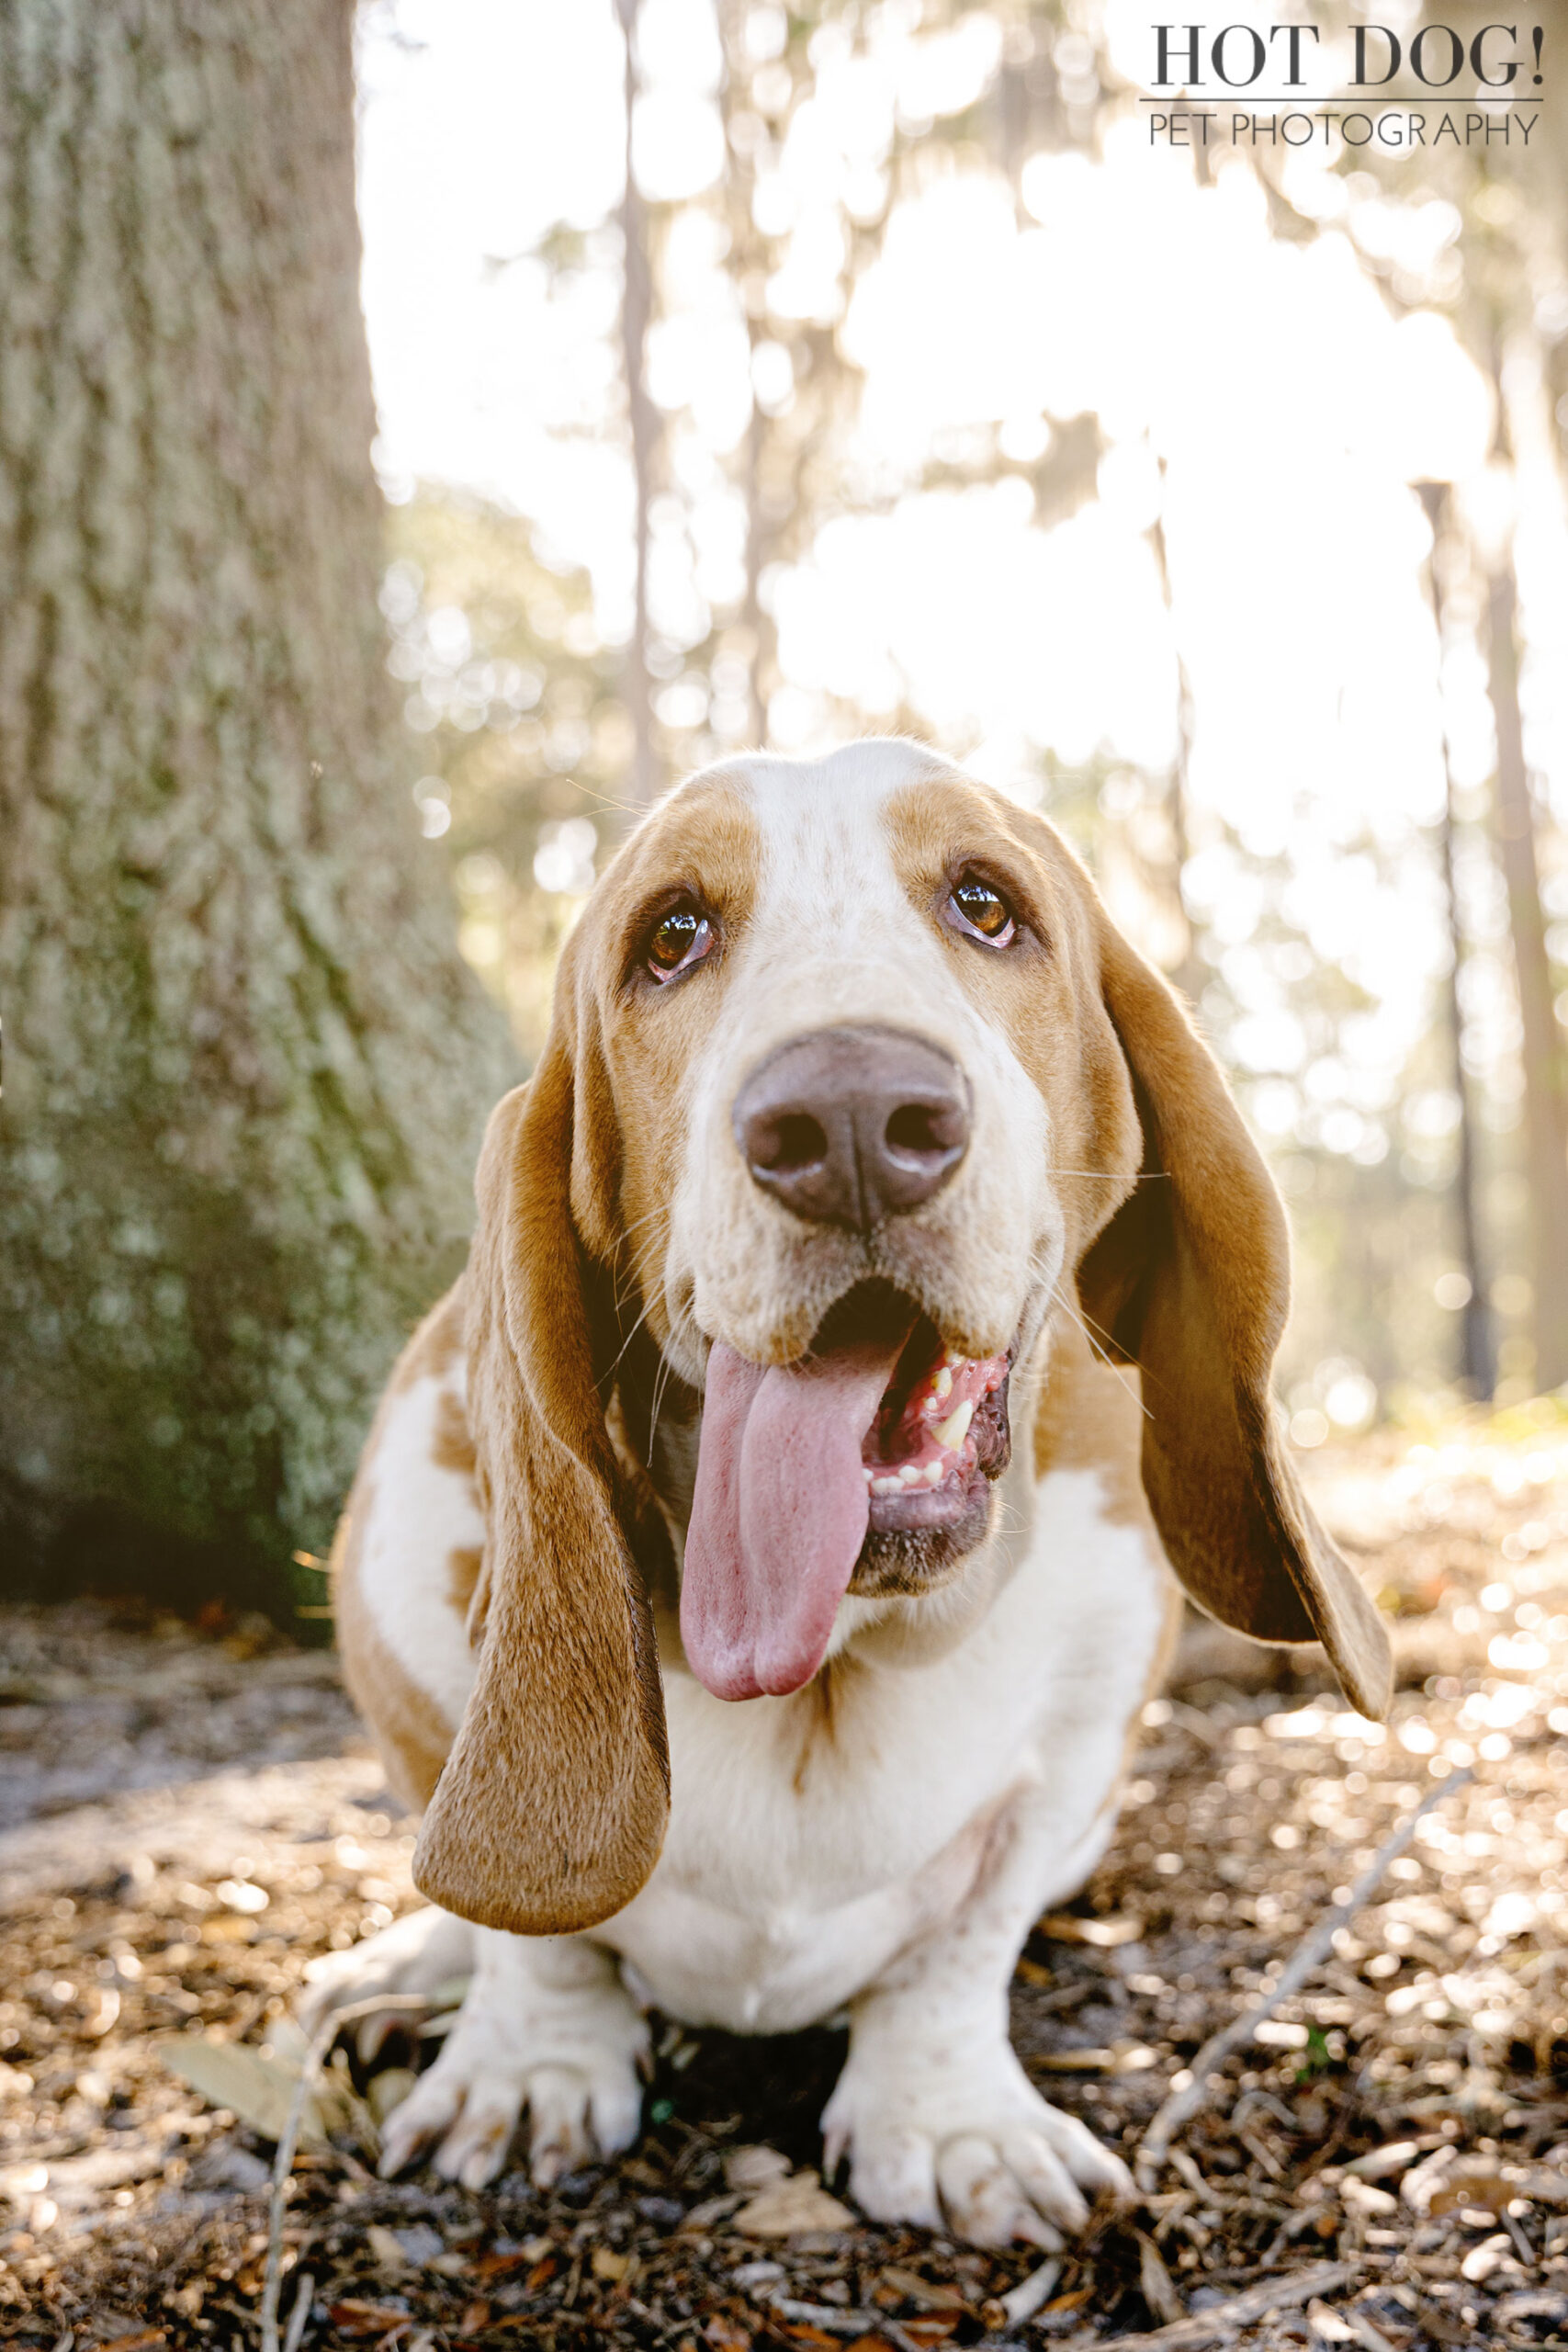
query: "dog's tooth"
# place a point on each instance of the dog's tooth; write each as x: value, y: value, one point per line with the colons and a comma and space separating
x: 909, y: 1475
x: 942, y: 1383
x: 955, y: 1429
x: 886, y: 1486
x: 935, y: 1473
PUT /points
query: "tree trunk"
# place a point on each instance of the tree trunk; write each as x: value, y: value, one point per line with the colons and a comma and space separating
x: 247, y: 1068
x: 637, y: 307
x: 1546, y: 1064
x: 1477, y: 1364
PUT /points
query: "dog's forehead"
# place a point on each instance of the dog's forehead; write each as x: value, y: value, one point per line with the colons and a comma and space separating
x: 824, y: 839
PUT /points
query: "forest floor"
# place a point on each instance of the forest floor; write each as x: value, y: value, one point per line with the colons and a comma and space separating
x: 191, y: 1812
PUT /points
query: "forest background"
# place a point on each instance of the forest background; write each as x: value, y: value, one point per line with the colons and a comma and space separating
x: 740, y: 375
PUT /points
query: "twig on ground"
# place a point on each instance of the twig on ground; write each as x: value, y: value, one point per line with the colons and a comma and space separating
x: 283, y: 2163
x: 300, y: 2312
x: 1287, y: 2293
x: 1024, y: 2299
x: 1180, y: 2107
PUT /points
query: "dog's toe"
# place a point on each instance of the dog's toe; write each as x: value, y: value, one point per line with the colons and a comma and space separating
x: 977, y: 2151
x: 994, y: 2195
x: 559, y: 2138
x: 417, y: 1955
x: 428, y: 2113
x: 892, y: 2178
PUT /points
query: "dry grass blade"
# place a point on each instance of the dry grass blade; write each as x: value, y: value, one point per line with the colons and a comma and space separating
x: 1179, y: 2110
x: 283, y: 2165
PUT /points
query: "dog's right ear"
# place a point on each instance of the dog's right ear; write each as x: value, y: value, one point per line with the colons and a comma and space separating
x: 551, y: 1808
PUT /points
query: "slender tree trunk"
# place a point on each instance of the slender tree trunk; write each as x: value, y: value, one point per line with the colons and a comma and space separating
x: 1188, y: 972
x: 748, y: 265
x: 754, y: 619
x: 1477, y: 1366
x: 246, y: 1066
x: 1546, y: 1064
x: 637, y: 304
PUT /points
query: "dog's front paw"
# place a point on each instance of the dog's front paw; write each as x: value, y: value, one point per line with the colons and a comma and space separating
x: 974, y: 2149
x: 417, y: 1955
x: 571, y: 2061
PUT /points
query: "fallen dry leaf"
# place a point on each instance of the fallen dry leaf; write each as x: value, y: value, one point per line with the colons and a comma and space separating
x: 934, y: 2294
x: 726, y: 2334
x: 1065, y: 1928
x: 787, y: 2208
x: 257, y: 2088
x: 754, y: 2168
x: 1158, y: 2288
x: 355, y: 2316
x: 1485, y: 2191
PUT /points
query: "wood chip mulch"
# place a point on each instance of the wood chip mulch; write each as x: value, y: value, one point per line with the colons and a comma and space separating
x: 1386, y: 2166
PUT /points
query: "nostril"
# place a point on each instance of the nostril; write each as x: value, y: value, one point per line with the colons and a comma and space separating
x: 793, y: 1142
x: 916, y: 1130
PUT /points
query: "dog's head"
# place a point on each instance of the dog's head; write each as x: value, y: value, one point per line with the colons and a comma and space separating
x: 849, y: 1080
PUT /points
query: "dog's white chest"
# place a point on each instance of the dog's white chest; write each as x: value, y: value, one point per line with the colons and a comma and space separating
x: 806, y: 1850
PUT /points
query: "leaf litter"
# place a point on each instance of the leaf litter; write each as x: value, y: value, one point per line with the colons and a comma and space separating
x: 1383, y: 2160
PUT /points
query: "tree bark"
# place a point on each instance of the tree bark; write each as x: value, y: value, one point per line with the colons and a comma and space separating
x: 247, y: 1066
x: 636, y: 309
x: 1477, y: 1364
x: 1545, y: 1061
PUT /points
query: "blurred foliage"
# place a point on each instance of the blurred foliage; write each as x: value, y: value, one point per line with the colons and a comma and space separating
x: 525, y: 747
x: 512, y: 699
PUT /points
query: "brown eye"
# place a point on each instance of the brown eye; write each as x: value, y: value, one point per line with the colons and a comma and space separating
x: 978, y: 909
x: 679, y: 939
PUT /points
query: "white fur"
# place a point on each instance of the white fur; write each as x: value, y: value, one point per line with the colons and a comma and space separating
x: 833, y: 937
x: 895, y: 1862
x: 418, y: 1515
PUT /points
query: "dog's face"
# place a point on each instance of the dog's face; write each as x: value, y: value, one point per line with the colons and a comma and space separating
x: 849, y: 1078
x: 868, y: 1104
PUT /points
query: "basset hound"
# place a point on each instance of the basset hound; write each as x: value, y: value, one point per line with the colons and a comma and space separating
x: 758, y: 1566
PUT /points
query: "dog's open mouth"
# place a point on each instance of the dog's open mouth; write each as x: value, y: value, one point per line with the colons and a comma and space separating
x: 941, y: 1422
x: 881, y: 1436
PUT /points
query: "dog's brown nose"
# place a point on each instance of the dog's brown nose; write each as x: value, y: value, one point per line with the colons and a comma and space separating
x: 852, y: 1125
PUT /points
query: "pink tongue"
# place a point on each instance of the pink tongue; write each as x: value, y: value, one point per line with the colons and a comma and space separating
x: 778, y: 1516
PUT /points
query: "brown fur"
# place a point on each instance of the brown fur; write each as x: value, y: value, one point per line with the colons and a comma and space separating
x: 816, y: 1726
x: 1192, y: 1281
x: 454, y: 1448
x: 410, y: 1732
x: 1088, y: 1419
x: 462, y: 1576
x: 435, y: 1347
x: 1184, y: 1262
x: 551, y: 1808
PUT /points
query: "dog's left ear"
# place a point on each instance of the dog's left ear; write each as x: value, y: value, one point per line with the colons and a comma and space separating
x: 1191, y: 1280
x: 551, y: 1807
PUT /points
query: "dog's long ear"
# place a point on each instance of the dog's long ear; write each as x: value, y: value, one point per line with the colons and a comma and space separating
x: 551, y: 1809
x: 1191, y: 1280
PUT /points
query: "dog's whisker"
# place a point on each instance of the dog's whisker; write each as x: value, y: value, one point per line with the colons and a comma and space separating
x: 1074, y: 1314
x: 666, y: 1373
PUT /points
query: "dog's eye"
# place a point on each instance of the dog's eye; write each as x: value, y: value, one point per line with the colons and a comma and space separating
x: 681, y: 937
x: 978, y: 909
